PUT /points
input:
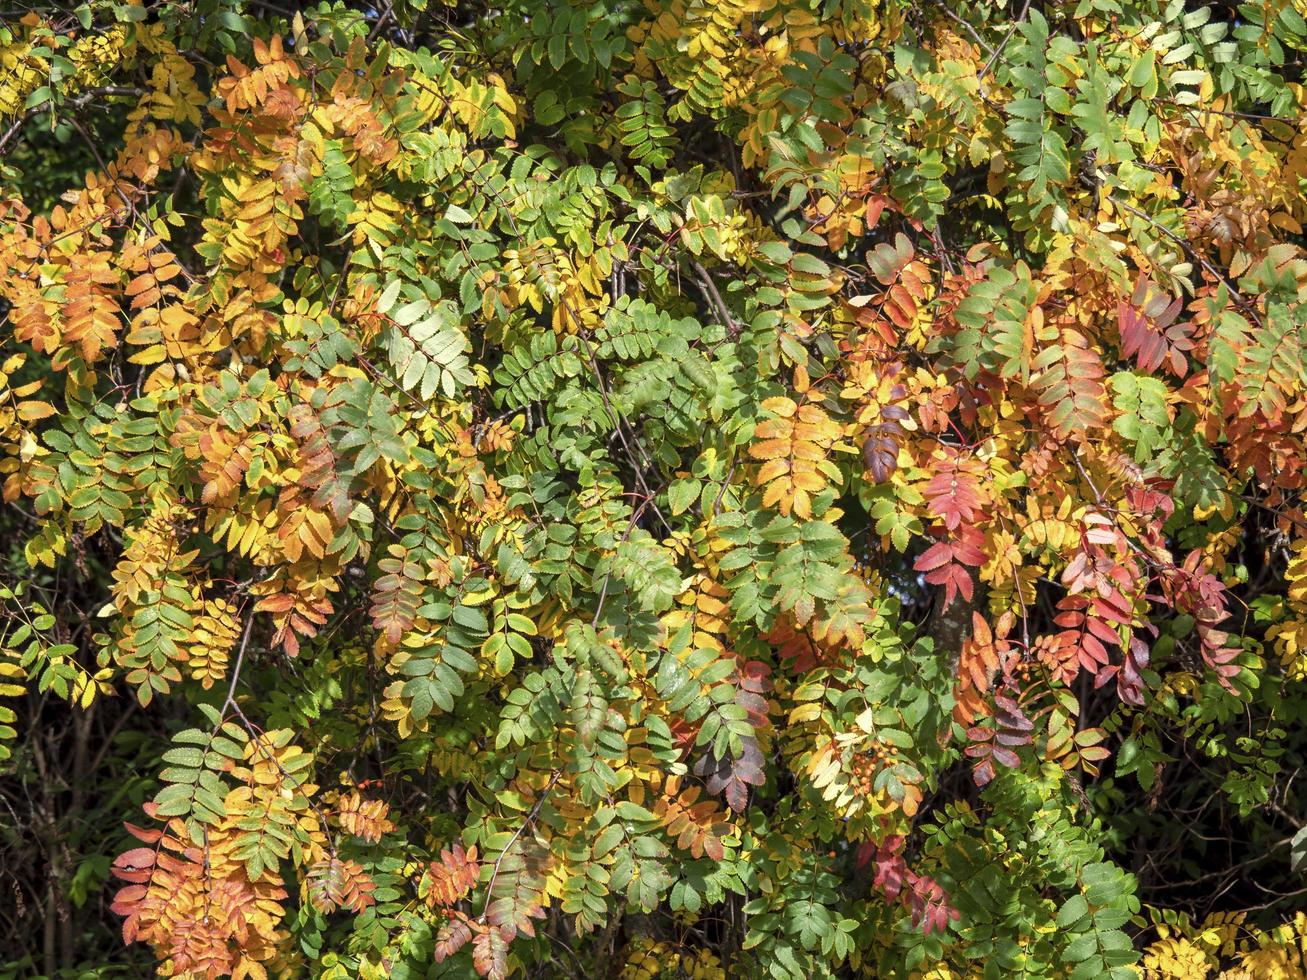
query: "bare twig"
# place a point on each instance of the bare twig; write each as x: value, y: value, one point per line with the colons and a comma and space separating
x: 943, y: 8
x: 715, y: 298
x: 230, y: 701
x: 1025, y: 9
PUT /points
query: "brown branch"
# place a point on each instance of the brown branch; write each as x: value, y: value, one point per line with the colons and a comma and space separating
x: 236, y: 668
x: 715, y: 299
x: 1003, y: 44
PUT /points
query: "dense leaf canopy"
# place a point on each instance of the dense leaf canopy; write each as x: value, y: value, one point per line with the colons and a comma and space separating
x: 751, y: 488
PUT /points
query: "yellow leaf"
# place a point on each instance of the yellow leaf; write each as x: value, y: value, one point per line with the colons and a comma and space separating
x: 806, y: 712
x: 34, y: 411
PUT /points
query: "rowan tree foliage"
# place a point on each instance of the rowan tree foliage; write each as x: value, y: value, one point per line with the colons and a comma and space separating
x: 697, y: 488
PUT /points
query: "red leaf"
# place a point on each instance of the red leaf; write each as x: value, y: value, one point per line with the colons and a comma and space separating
x: 452, y: 937
x: 138, y: 858
x: 1149, y: 332
x: 936, y: 556
x: 490, y: 954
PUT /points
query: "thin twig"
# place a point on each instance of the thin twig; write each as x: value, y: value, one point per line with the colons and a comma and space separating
x: 254, y: 731
x: 381, y: 22
x: 617, y: 422
x: 943, y: 8
x: 530, y: 818
x: 603, y: 590
x: 77, y: 103
x: 715, y: 299
x: 104, y: 167
x: 236, y: 668
x: 1003, y: 44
